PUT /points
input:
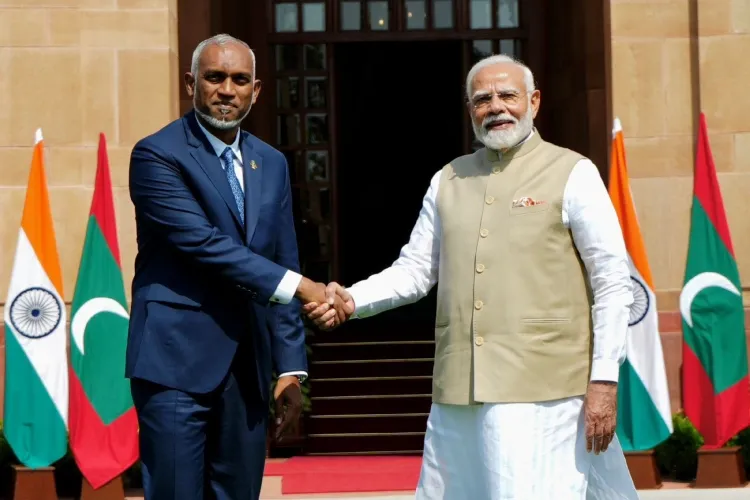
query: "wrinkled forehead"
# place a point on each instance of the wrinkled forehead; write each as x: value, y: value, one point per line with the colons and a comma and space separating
x: 498, y: 77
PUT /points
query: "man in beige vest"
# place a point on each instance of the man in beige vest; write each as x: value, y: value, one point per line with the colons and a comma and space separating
x: 532, y: 310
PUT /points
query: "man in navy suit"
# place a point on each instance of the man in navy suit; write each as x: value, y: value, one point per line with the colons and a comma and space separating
x: 216, y: 293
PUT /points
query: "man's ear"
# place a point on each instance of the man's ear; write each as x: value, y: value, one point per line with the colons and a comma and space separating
x: 189, y: 84
x: 257, y: 85
x: 536, y: 100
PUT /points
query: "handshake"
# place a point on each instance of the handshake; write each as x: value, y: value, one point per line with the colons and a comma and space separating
x: 327, y: 306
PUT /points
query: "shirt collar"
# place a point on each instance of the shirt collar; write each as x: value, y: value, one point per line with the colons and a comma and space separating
x: 219, y: 145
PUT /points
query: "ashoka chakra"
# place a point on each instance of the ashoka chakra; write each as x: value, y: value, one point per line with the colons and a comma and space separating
x: 35, y: 313
x: 641, y: 302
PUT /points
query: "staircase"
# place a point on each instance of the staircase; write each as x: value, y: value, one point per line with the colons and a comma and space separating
x: 370, y: 386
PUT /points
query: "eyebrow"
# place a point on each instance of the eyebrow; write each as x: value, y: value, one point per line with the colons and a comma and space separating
x: 218, y: 71
x: 484, y: 93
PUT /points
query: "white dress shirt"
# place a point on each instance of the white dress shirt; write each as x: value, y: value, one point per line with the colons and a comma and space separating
x: 587, y: 212
x: 286, y: 289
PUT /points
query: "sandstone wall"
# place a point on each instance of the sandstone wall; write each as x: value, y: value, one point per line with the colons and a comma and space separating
x: 76, y: 68
x: 672, y: 59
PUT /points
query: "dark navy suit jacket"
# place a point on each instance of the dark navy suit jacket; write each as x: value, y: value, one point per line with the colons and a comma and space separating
x: 203, y: 282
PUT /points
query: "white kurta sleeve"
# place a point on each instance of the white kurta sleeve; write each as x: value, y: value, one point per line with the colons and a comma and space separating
x: 591, y: 217
x: 414, y: 273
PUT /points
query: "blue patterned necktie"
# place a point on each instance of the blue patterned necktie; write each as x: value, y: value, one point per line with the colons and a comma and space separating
x: 228, y: 159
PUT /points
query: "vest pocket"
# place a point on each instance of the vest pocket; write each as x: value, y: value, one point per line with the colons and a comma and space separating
x: 533, y: 209
x: 544, y: 321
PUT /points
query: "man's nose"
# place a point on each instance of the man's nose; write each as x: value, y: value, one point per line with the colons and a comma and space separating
x: 497, y: 105
x: 227, y: 87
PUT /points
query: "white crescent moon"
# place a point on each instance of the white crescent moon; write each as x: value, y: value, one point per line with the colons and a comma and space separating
x: 88, y: 310
x: 698, y: 283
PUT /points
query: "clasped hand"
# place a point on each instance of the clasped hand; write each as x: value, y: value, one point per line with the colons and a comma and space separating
x: 330, y: 306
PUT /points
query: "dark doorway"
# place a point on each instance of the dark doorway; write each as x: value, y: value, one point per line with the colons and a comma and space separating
x: 399, y: 122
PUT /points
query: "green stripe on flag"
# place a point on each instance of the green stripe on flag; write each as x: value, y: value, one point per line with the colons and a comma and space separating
x: 717, y: 314
x: 640, y: 426
x: 32, y: 424
x: 102, y: 369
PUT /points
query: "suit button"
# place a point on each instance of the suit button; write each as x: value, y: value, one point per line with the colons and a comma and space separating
x: 489, y: 200
x: 483, y: 233
x: 495, y: 170
x: 480, y: 268
x: 479, y: 341
x: 478, y: 305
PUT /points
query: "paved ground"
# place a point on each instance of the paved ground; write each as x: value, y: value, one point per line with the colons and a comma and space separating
x: 667, y: 494
x: 682, y: 494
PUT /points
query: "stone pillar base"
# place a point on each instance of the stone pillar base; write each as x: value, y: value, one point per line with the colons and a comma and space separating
x: 33, y: 484
x: 643, y: 469
x: 720, y: 468
x: 113, y: 490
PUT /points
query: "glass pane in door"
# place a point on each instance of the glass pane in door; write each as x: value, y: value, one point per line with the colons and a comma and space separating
x: 315, y: 92
x: 481, y: 14
x: 287, y: 92
x: 507, y: 14
x: 442, y: 14
x: 416, y: 14
x: 286, y: 17
x: 315, y: 56
x: 287, y: 57
x: 351, y: 15
x: 377, y: 13
x: 288, y: 130
x: 510, y: 48
x: 317, y: 166
x: 317, y: 128
x: 314, y: 16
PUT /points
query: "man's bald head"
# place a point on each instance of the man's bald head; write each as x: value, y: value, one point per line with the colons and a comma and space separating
x: 504, y: 61
x: 220, y: 40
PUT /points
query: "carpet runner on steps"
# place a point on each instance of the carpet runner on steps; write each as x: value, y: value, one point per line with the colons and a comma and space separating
x: 309, y: 475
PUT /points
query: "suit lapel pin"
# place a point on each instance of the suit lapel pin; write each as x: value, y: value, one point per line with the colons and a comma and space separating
x: 253, y: 165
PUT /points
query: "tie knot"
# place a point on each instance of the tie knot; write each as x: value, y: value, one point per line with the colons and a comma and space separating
x: 227, y: 156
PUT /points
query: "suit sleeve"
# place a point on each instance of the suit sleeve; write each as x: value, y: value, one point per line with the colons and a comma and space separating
x: 163, y: 200
x: 288, y: 337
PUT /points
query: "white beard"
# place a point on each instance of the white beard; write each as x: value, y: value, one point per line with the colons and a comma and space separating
x: 499, y: 140
x: 220, y: 124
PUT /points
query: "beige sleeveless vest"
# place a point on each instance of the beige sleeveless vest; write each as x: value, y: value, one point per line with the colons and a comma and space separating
x: 514, y: 307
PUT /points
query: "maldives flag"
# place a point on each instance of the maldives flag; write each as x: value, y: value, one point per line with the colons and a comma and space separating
x: 715, y: 369
x: 103, y: 424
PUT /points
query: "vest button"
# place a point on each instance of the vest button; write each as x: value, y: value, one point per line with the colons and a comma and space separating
x: 489, y: 200
x: 479, y: 341
x: 483, y: 233
x: 480, y: 268
x: 478, y: 305
x: 495, y: 170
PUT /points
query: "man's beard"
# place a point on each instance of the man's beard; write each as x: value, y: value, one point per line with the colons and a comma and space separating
x: 500, y: 139
x: 219, y: 123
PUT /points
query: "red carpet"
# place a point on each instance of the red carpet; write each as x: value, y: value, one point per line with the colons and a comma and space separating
x: 302, y: 475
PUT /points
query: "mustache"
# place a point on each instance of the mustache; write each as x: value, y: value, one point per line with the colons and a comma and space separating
x: 501, y: 118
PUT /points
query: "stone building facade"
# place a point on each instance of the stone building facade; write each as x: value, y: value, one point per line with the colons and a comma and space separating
x: 76, y: 68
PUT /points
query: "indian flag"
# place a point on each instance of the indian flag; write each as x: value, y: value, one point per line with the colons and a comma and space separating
x: 644, y: 416
x: 36, y: 363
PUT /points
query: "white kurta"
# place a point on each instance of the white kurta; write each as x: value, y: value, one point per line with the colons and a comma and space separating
x: 518, y: 451
x: 533, y: 451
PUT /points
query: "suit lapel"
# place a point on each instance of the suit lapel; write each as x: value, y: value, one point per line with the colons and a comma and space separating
x: 253, y: 174
x: 205, y: 156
